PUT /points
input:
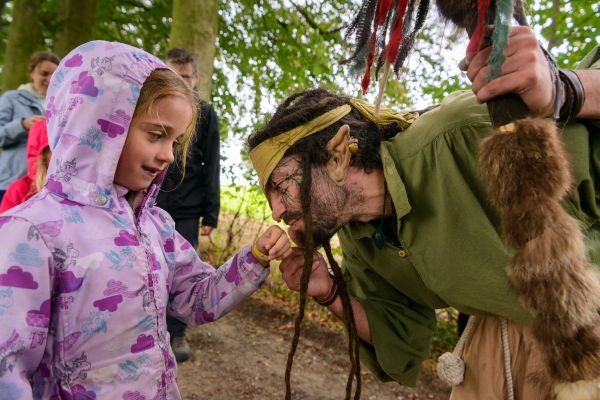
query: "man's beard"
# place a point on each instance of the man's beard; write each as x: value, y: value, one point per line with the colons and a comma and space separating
x: 327, y: 209
x: 323, y: 229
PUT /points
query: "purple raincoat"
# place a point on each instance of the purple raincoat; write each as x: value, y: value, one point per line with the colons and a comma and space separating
x: 85, y: 285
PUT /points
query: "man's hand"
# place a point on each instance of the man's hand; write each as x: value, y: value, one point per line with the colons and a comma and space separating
x: 525, y: 70
x: 206, y: 230
x: 320, y: 283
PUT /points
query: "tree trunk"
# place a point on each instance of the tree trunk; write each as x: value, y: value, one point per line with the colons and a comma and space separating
x: 24, y: 37
x: 194, y: 28
x: 77, y: 24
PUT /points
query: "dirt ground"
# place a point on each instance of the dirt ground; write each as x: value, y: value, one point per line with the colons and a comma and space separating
x: 243, y: 356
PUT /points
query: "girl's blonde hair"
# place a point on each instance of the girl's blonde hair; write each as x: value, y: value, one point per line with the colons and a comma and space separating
x: 162, y: 83
x: 42, y: 168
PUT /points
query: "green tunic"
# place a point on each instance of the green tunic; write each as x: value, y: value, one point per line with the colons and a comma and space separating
x: 451, y: 253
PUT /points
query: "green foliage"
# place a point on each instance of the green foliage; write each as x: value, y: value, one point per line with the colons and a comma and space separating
x: 247, y: 201
x: 268, y: 49
x: 140, y: 23
x: 445, y: 336
x: 571, y: 28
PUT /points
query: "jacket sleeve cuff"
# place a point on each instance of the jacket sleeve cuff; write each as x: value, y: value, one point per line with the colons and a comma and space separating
x: 254, y: 273
x: 15, y: 129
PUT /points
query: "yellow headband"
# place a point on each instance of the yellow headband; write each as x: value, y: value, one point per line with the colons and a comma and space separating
x: 267, y: 154
x: 386, y: 116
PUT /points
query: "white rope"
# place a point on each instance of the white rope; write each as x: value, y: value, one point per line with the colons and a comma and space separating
x: 450, y: 367
x: 506, y: 353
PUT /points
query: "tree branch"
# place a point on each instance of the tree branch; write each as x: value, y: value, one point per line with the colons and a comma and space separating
x: 312, y: 22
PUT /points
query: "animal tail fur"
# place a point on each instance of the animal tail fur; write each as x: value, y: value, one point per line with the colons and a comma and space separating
x: 527, y: 173
x: 580, y: 390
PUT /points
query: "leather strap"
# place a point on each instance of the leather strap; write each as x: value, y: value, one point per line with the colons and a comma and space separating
x: 573, y: 95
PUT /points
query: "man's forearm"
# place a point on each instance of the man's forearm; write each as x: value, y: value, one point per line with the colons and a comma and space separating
x: 360, y: 317
x: 590, y: 79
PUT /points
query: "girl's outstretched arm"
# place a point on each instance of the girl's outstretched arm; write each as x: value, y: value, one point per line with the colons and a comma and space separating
x: 25, y: 304
x: 200, y: 293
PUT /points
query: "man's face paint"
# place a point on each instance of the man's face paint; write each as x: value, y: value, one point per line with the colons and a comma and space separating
x: 327, y: 201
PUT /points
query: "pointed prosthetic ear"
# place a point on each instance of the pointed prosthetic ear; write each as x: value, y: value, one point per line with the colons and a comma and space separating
x: 339, y: 155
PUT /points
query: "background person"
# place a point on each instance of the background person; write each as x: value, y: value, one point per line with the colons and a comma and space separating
x: 38, y: 159
x: 19, y: 110
x: 194, y: 193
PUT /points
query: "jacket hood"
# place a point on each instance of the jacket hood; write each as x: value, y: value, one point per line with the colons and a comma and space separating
x: 90, y: 103
x: 36, y: 142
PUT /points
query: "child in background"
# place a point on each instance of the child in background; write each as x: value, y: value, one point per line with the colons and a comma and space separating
x: 89, y: 267
x: 38, y: 158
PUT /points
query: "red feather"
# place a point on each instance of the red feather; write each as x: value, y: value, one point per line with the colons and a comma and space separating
x: 366, y: 80
x: 383, y: 8
x: 393, y: 46
x: 474, y: 45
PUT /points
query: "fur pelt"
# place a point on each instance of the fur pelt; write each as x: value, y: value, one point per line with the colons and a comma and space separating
x: 527, y: 173
x: 460, y: 12
x: 463, y: 12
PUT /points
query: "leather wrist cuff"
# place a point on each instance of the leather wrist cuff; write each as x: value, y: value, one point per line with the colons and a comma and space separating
x: 573, y: 95
x: 331, y: 297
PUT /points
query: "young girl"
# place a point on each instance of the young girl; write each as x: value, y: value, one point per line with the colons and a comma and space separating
x: 38, y: 158
x: 89, y: 267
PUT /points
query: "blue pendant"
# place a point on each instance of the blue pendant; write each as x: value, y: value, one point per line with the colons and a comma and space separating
x: 379, y: 238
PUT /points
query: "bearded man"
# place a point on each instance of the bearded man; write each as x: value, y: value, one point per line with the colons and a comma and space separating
x: 404, y: 193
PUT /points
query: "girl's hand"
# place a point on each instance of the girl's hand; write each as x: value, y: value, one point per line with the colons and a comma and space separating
x: 320, y: 283
x: 274, y: 242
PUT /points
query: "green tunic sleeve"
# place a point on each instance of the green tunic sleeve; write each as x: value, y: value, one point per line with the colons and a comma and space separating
x: 401, y: 328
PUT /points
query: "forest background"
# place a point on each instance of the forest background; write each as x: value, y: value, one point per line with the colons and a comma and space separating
x: 252, y: 53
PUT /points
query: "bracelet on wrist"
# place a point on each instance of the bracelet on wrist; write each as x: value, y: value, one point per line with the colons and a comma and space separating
x: 261, y: 257
x: 573, y: 95
x: 331, y: 297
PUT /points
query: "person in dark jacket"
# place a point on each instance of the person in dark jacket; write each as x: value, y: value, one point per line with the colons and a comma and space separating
x: 195, y: 195
x: 19, y: 110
